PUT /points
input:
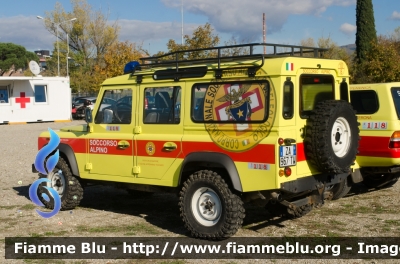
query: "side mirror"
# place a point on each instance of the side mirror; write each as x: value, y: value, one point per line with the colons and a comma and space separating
x: 88, y: 115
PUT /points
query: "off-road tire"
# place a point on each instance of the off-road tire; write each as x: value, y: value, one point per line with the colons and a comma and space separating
x: 70, y: 189
x: 217, y: 221
x: 283, y: 211
x: 341, y: 189
x: 380, y: 180
x: 330, y: 145
x: 138, y: 194
x: 299, y: 212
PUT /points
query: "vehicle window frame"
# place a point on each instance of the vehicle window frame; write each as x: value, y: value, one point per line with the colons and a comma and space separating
x: 397, y: 107
x: 304, y: 114
x: 357, y: 109
x: 114, y: 94
x: 288, y: 100
x: 209, y: 84
x: 166, y: 115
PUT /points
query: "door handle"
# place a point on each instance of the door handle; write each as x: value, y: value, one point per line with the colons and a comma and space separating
x: 123, y: 144
x: 170, y: 146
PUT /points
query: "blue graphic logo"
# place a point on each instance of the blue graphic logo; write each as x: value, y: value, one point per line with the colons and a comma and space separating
x: 40, y: 167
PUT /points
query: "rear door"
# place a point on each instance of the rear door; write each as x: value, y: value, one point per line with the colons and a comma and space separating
x: 313, y: 88
x: 160, y: 121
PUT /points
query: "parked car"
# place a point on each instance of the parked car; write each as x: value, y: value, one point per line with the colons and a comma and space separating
x: 80, y: 103
x: 90, y: 103
x: 378, y: 110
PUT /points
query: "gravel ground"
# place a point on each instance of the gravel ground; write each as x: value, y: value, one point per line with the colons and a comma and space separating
x: 108, y: 212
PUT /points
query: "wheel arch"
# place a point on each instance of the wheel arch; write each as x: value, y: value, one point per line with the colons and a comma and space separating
x: 215, y: 159
x: 68, y: 154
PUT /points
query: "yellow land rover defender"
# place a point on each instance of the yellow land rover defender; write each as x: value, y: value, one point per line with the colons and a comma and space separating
x: 218, y: 126
x: 378, y: 110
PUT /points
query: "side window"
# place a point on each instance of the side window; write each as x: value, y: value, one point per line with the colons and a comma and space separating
x: 115, y: 107
x: 364, y: 102
x: 162, y: 105
x: 4, y: 95
x: 314, y: 89
x: 40, y: 93
x: 344, y: 91
x: 396, y: 99
x: 288, y: 101
x: 230, y: 102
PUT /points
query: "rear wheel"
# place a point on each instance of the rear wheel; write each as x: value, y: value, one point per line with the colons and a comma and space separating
x: 341, y: 189
x: 208, y: 207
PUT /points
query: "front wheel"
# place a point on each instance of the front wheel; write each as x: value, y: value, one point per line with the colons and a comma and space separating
x: 208, y: 207
x: 65, y: 184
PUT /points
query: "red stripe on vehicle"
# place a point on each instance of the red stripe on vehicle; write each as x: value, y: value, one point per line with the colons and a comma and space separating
x: 160, y: 151
x: 262, y: 153
x: 78, y: 145
x: 109, y: 147
x: 301, y: 153
x: 377, y: 147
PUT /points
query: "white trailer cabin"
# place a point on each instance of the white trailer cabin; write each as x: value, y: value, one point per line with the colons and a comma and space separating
x: 34, y: 99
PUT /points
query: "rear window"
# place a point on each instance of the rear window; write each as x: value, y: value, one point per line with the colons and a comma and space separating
x: 314, y: 89
x: 365, y: 102
x: 396, y: 99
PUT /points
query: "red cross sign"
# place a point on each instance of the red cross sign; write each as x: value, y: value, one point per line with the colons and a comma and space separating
x: 23, y: 100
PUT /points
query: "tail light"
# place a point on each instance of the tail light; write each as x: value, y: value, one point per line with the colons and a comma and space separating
x: 288, y: 171
x: 395, y: 140
x: 146, y: 103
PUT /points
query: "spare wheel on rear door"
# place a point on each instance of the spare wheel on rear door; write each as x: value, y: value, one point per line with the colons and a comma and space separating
x: 332, y: 136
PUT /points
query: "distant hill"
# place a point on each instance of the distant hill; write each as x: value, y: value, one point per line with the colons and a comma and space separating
x: 350, y: 48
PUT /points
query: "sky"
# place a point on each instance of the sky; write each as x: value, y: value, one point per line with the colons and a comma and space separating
x: 152, y: 23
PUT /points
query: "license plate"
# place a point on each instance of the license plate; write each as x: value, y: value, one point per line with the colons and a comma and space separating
x: 287, y: 156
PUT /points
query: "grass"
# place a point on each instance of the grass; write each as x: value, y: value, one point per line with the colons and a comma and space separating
x: 44, y: 261
x: 392, y: 222
x: 28, y: 207
x: 8, y: 206
x: 127, y: 230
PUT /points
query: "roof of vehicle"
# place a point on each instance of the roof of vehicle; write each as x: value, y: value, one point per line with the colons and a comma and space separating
x: 181, y: 65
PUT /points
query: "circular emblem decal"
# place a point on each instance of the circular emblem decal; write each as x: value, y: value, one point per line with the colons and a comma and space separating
x: 150, y: 148
x: 235, y: 113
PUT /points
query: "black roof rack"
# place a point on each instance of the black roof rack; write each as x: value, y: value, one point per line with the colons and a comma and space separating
x: 233, y: 53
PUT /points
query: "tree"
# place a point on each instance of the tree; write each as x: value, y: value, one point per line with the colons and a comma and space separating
x: 333, y: 50
x: 90, y: 35
x: 201, y: 38
x: 382, y: 62
x: 117, y: 55
x: 13, y: 57
x: 366, y: 33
